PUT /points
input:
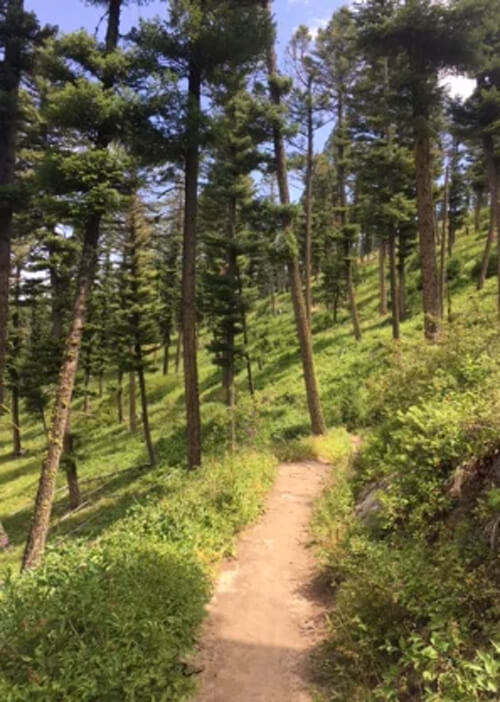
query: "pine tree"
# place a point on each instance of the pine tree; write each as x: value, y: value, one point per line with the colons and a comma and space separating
x: 276, y: 89
x: 337, y: 50
x: 426, y: 37
x: 92, y: 176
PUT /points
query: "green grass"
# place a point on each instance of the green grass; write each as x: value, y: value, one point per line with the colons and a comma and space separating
x: 124, y: 499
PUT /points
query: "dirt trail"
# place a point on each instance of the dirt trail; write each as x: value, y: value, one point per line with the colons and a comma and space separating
x: 267, y: 610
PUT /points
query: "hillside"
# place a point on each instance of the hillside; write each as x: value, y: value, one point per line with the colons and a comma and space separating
x: 422, y: 411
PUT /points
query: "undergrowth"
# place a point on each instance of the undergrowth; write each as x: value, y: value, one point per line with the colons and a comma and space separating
x: 408, y: 538
x: 112, y: 620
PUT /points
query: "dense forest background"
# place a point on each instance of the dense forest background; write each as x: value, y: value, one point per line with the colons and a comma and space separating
x: 189, y: 290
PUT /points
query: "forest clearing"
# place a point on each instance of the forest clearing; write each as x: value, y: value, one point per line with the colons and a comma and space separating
x: 249, y: 351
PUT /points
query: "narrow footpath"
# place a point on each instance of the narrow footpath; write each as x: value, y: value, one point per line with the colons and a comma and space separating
x: 267, y: 611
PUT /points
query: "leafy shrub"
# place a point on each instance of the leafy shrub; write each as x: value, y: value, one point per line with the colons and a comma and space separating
x: 416, y: 614
x: 112, y: 620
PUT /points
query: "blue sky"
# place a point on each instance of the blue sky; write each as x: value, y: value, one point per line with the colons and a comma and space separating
x: 73, y: 14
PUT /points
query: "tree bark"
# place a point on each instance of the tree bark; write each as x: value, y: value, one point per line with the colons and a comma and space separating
x: 487, y: 248
x: 381, y: 278
x: 442, y: 259
x: 46, y: 488
x: 132, y: 413
x: 144, y: 404
x: 192, y: 158
x: 166, y: 353
x: 303, y: 330
x: 478, y: 203
x: 343, y: 222
x: 244, y: 327
x: 70, y: 467
x: 37, y: 536
x: 10, y: 78
x: 426, y: 234
x: 16, y: 348
x: 309, y: 204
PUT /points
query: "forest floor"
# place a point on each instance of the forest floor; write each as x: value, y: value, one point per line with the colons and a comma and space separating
x: 266, y: 613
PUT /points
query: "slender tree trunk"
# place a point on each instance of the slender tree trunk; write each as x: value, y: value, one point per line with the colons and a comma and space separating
x: 101, y: 383
x: 45, y: 496
x: 343, y: 222
x: 309, y: 204
x: 381, y: 278
x: 132, y: 412
x: 69, y: 462
x: 10, y: 77
x: 119, y: 397
x: 478, y: 203
x: 493, y: 168
x: 144, y: 404
x: 192, y: 159
x: 16, y: 349
x: 166, y: 353
x: 86, y: 383
x: 394, y: 286
x: 244, y: 327
x: 178, y: 349
x: 442, y: 259
x: 303, y: 330
x: 426, y: 234
x: 86, y: 272
x: 487, y: 248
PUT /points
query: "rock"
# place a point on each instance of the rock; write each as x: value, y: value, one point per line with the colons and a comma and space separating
x: 369, y: 504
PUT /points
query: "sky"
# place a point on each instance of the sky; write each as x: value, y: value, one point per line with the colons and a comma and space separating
x: 74, y: 14
x: 289, y: 14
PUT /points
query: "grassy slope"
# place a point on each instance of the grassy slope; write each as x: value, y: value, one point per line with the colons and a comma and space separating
x: 346, y: 371
x: 105, y: 447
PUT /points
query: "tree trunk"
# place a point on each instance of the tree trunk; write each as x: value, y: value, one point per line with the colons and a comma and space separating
x: 343, y: 222
x: 303, y: 330
x: 144, y: 404
x: 86, y: 272
x: 192, y: 159
x: 244, y: 327
x: 166, y: 353
x: 14, y: 375
x: 426, y: 235
x: 442, y: 259
x: 478, y: 203
x: 178, y: 349
x: 487, y: 249
x: 69, y: 463
x: 381, y: 278
x: 86, y: 383
x: 119, y: 397
x: 10, y: 77
x: 132, y: 413
x: 493, y: 168
x: 394, y: 286
x: 309, y: 204
x: 45, y: 496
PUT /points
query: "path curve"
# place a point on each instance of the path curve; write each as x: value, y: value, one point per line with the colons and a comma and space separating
x: 266, y: 613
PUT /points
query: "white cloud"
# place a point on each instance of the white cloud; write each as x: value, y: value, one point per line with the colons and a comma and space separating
x: 458, y: 86
x: 316, y: 24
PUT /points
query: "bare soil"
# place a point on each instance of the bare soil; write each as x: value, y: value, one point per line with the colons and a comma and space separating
x: 268, y: 609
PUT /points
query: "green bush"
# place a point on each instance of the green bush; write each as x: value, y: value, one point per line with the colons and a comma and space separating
x: 112, y: 620
x: 416, y: 614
